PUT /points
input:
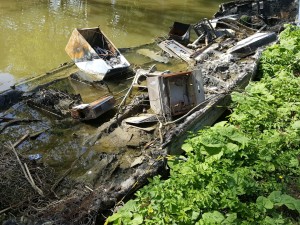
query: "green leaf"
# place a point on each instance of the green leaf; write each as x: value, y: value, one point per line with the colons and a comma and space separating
x: 296, y: 125
x: 294, y: 163
x: 195, y: 215
x: 187, y: 147
x: 114, y: 217
x: 230, y: 219
x: 214, y: 217
x: 232, y: 147
x: 271, y: 221
x: 289, y: 201
x: 137, y: 220
x: 129, y: 206
x: 212, y: 149
x: 275, y: 197
x: 264, y: 203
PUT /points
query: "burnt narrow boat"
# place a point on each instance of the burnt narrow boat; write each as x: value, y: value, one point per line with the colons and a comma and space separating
x: 94, y: 53
x: 226, y: 54
x: 260, y: 13
x: 123, y: 152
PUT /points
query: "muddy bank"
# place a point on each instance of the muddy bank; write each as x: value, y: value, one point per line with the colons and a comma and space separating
x: 66, y: 161
x: 91, y: 178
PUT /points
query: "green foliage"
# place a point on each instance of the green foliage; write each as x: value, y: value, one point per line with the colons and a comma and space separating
x: 231, y: 167
x: 283, y: 56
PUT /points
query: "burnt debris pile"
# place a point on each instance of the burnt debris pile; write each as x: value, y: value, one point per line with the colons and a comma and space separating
x: 54, y: 101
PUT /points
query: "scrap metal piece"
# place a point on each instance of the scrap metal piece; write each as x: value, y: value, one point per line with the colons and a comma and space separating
x: 144, y: 118
x: 94, y: 53
x: 249, y: 45
x: 142, y: 74
x: 93, y: 109
x: 177, y: 50
x: 180, y: 32
x: 146, y: 122
x: 175, y: 94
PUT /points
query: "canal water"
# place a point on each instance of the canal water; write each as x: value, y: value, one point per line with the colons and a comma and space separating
x: 34, y: 33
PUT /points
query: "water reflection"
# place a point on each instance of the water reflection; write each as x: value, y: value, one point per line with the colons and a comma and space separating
x: 33, y: 33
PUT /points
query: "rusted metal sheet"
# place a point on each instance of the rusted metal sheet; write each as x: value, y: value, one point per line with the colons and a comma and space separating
x: 93, y: 109
x: 175, y: 93
x: 94, y: 53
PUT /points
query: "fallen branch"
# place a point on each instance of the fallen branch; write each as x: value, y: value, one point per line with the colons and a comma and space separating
x: 26, y: 172
x: 35, y: 135
x: 6, y: 119
x: 32, y: 181
x: 20, y: 141
x: 17, y: 121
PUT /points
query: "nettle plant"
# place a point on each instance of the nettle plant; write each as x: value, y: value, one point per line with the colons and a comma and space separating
x: 244, y: 171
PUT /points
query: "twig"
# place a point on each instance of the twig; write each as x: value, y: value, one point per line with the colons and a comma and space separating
x: 87, y: 187
x: 19, y: 161
x: 5, y: 210
x: 149, y: 143
x: 12, y: 206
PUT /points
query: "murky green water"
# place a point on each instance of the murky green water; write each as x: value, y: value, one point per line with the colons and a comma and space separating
x: 33, y: 33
